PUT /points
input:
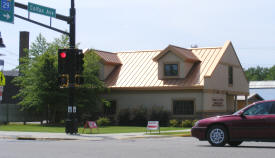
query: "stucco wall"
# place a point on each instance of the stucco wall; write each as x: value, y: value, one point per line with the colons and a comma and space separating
x: 131, y: 99
x: 171, y: 58
x: 219, y: 78
x: 105, y: 70
x: 214, y: 102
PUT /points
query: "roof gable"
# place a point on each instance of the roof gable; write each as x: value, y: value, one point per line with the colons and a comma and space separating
x: 183, y: 53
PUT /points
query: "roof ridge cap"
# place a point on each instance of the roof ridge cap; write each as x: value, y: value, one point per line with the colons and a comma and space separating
x: 139, y: 51
x: 207, y: 47
x: 179, y: 47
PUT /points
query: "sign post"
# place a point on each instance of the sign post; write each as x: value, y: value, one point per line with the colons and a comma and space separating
x: 7, y: 11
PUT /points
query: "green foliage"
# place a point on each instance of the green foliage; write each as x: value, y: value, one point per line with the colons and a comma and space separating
x: 260, y: 73
x: 103, y: 121
x: 186, y: 123
x: 158, y: 113
x: 124, y: 117
x: 174, y: 123
x: 38, y: 81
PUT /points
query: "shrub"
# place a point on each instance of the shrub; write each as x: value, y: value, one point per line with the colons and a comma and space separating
x: 158, y: 113
x: 139, y: 116
x: 103, y: 121
x: 186, y: 123
x: 174, y: 123
x: 124, y: 117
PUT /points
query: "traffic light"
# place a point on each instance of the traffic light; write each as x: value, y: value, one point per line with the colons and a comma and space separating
x: 79, y: 61
x: 79, y: 80
x: 65, y: 59
x: 63, y: 81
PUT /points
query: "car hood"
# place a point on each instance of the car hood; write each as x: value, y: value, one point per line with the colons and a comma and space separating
x: 216, y: 118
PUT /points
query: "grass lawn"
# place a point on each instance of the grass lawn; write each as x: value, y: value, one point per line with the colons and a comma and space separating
x: 53, y: 129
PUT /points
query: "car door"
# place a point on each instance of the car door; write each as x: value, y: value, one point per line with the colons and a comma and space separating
x: 252, y: 123
x: 271, y: 122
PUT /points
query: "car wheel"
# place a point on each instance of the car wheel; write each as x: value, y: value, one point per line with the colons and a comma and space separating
x: 235, y: 143
x: 217, y: 135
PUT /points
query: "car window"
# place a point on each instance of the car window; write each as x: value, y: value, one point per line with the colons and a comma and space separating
x: 272, y: 111
x: 259, y: 109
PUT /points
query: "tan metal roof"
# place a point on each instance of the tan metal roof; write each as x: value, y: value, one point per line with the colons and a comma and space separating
x: 108, y: 57
x: 139, y: 70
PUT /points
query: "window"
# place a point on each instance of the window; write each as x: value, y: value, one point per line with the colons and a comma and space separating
x: 171, y: 69
x: 230, y: 75
x: 183, y: 107
x: 259, y: 109
x: 111, y: 109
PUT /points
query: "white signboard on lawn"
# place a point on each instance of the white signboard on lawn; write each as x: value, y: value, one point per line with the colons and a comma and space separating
x: 153, y: 125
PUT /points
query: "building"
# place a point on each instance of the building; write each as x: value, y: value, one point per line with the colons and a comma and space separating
x: 264, y: 88
x: 254, y: 97
x: 190, y: 83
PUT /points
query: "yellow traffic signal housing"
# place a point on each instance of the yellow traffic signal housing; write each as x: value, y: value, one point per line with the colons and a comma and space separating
x: 63, y: 81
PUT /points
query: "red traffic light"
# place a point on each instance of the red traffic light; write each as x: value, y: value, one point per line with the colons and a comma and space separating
x: 63, y: 55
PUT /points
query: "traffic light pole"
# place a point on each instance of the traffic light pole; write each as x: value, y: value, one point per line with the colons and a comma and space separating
x: 71, y: 122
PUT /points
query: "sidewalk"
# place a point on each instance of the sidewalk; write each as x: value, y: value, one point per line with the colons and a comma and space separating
x: 64, y: 136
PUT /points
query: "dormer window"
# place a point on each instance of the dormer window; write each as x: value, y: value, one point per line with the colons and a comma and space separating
x: 171, y: 69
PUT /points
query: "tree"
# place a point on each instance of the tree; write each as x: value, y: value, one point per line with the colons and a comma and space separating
x: 38, y: 81
x: 260, y: 73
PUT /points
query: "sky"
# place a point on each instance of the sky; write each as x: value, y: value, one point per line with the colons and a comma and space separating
x: 129, y: 25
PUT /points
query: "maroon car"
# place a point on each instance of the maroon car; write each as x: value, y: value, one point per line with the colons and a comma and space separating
x: 255, y: 122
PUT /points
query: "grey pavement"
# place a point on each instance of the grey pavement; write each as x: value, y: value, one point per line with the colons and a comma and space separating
x: 64, y: 136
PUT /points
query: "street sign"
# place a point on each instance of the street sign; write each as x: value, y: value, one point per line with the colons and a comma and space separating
x: 7, y: 11
x: 39, y: 9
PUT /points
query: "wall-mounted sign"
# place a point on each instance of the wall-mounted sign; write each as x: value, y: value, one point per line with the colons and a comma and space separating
x: 217, y: 101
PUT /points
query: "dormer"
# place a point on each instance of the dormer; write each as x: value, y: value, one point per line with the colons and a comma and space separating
x: 175, y: 62
x: 108, y: 62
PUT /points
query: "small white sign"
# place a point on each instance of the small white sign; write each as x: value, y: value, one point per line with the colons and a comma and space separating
x: 70, y: 109
x: 153, y: 125
x: 74, y: 109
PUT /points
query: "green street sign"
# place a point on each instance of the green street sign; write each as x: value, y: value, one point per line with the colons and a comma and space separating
x: 39, y: 9
x: 7, y: 11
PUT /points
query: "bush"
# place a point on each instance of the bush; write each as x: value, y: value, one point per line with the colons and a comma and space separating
x: 124, y: 117
x: 194, y: 122
x: 186, y: 123
x: 158, y: 113
x: 139, y: 116
x: 103, y: 121
x: 174, y: 123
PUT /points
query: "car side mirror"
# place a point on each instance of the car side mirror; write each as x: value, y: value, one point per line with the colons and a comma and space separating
x: 242, y: 114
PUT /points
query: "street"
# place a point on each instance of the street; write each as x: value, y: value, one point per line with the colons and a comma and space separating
x: 133, y: 148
